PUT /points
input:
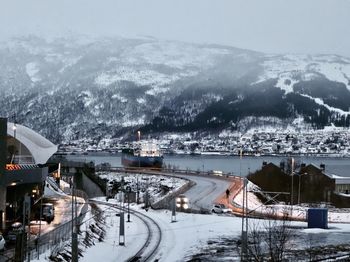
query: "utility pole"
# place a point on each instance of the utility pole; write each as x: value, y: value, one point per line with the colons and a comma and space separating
x: 121, y: 230
x: 74, y: 228
x: 41, y: 213
x: 292, y: 174
x: 137, y: 189
x: 173, y: 210
x: 244, y: 235
x: 292, y: 193
x: 128, y: 189
x: 26, y: 219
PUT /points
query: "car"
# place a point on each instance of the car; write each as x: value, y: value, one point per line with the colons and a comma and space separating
x: 182, y: 202
x: 48, y: 212
x: 15, y: 229
x: 2, y: 242
x: 220, y: 208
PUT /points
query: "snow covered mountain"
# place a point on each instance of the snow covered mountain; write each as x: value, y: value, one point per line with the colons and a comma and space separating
x: 71, y: 89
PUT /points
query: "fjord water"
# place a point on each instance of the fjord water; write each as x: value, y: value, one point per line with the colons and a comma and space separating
x: 230, y: 164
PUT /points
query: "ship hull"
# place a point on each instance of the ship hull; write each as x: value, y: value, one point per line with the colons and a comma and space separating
x: 142, y: 161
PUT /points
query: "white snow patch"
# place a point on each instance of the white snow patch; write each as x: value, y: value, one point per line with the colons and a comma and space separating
x: 126, y: 121
x: 286, y: 83
x: 120, y: 98
x: 303, y: 67
x: 87, y: 98
x: 69, y: 62
x: 337, y: 72
x: 141, y: 100
x: 330, y: 108
x: 139, y: 77
x: 32, y: 70
x: 175, y: 54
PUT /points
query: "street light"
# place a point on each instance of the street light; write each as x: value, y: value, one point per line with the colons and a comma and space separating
x: 292, y: 193
x: 128, y: 190
x: 139, y: 135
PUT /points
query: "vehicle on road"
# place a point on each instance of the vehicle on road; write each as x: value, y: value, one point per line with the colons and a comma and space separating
x: 182, y: 202
x: 2, y: 242
x: 16, y: 228
x: 217, y: 173
x: 220, y: 208
x: 48, y: 212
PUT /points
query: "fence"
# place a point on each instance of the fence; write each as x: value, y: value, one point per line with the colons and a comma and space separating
x: 54, y: 239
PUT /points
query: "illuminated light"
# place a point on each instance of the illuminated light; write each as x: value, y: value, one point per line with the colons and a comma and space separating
x: 185, y: 206
x: 14, y: 127
x: 13, y: 184
x: 178, y: 205
x: 34, y: 191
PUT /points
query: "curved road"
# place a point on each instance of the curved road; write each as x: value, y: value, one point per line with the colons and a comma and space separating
x: 206, y: 191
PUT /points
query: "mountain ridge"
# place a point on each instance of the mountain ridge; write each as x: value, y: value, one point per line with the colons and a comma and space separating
x: 98, y: 89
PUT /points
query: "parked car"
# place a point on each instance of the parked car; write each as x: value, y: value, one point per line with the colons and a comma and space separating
x: 2, y: 242
x: 48, y: 212
x: 16, y: 228
x: 220, y: 208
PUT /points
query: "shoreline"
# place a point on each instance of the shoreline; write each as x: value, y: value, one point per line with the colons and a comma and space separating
x: 107, y: 153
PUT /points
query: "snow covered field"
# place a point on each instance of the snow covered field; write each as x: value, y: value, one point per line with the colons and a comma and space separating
x: 208, y: 237
x: 190, y: 235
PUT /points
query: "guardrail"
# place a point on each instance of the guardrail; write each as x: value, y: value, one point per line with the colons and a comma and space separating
x: 168, y: 171
x: 54, y: 239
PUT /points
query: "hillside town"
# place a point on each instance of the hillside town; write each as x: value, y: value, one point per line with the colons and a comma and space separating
x: 331, y: 141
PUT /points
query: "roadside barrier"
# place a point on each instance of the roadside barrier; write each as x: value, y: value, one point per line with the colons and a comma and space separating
x: 53, y: 241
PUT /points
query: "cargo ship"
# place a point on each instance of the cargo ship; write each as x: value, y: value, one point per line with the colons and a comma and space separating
x: 147, y: 155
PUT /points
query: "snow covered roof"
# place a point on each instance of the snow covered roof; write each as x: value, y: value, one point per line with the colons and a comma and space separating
x: 40, y: 148
x: 340, y: 180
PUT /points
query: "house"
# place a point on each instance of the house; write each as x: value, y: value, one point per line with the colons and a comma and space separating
x: 306, y: 184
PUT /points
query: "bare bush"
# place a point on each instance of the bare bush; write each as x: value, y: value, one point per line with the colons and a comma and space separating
x: 268, y: 240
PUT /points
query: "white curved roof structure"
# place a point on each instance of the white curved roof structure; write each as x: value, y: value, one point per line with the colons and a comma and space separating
x: 39, y: 147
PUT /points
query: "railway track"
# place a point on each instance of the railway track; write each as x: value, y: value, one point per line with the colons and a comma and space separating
x: 151, y: 246
x: 154, y: 236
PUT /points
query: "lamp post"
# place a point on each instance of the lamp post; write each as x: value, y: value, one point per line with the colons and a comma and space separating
x: 292, y: 173
x: 128, y: 189
x: 41, y: 211
x: 137, y: 190
x: 14, y: 127
x: 74, y: 226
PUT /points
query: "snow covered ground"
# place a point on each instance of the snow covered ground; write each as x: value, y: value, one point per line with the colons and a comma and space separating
x: 209, y: 237
x: 335, y: 215
x: 190, y: 235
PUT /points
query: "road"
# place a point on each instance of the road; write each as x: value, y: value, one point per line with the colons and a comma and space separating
x: 208, y: 190
x: 63, y: 214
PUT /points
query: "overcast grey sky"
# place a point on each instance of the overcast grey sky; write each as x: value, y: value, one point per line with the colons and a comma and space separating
x: 277, y: 26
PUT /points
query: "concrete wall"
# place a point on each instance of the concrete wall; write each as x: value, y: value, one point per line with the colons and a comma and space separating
x: 165, y: 202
